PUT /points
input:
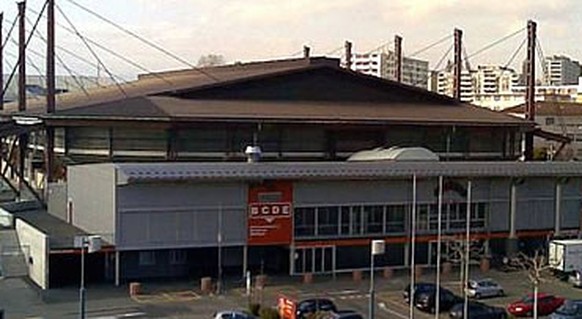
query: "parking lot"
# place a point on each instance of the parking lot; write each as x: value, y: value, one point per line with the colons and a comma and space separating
x: 182, y: 300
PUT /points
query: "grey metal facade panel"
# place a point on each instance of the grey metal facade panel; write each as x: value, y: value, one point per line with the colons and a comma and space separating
x: 182, y: 195
x: 152, y: 172
x: 158, y: 216
x: 92, y: 191
x: 351, y: 192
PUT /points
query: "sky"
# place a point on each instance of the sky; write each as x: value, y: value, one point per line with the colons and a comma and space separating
x: 246, y: 30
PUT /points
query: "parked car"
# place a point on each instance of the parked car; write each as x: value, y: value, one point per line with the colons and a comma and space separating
x: 477, y: 310
x: 546, y: 305
x: 232, y: 314
x: 575, y: 278
x: 571, y: 309
x: 308, y: 306
x: 418, y: 288
x: 426, y: 300
x: 484, y: 288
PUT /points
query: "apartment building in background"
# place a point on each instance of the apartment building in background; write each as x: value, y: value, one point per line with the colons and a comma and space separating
x: 561, y: 70
x: 383, y: 64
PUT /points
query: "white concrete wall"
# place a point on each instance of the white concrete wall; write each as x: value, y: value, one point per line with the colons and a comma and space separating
x: 36, y: 245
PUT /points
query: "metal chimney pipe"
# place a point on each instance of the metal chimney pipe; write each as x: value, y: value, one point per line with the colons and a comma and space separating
x: 306, y: 51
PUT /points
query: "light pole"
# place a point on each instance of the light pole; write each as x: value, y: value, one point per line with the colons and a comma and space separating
x: 92, y: 244
x: 377, y: 248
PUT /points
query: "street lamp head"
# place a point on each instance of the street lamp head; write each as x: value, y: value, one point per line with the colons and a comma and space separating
x: 378, y: 247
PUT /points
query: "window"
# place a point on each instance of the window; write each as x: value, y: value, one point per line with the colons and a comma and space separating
x: 178, y: 257
x: 550, y: 121
x: 374, y: 217
x: 422, y: 217
x: 327, y: 220
x: 395, y: 218
x: 304, y: 222
x: 147, y: 258
x: 345, y: 220
x: 356, y: 220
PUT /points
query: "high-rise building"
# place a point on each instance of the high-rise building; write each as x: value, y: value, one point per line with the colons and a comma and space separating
x: 561, y: 70
x: 383, y: 64
x: 477, y: 84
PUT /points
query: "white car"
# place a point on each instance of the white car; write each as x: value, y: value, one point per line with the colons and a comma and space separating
x: 232, y: 315
x: 484, y: 288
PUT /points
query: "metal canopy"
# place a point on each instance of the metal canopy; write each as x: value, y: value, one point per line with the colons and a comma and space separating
x: 128, y: 173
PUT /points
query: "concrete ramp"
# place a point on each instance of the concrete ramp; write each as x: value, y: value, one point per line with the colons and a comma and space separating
x: 12, y: 255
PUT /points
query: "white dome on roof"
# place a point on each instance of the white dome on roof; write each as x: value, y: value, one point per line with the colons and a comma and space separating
x: 395, y: 154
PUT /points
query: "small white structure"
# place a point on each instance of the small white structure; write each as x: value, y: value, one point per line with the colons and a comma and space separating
x: 395, y: 153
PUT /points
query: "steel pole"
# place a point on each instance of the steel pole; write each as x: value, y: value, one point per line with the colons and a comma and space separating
x: 439, y: 239
x: 467, y: 251
x: 412, y: 248
x: 219, y: 281
x: 82, y: 286
x: 372, y: 292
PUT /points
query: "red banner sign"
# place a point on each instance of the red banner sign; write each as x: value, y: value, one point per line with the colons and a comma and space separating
x: 286, y: 308
x: 270, y: 214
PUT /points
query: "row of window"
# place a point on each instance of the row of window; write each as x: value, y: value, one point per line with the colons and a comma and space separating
x: 176, y: 257
x: 344, y: 221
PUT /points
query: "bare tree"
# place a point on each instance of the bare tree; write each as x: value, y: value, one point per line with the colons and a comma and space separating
x: 457, y: 255
x: 536, y: 267
x: 211, y: 60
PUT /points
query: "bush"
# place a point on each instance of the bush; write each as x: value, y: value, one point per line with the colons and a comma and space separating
x: 254, y: 309
x: 268, y: 313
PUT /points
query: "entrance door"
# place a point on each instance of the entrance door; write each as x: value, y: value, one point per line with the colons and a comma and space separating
x: 316, y: 260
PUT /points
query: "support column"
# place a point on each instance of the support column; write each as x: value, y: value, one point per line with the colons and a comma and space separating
x: 457, y: 64
x: 245, y: 260
x: 511, y: 244
x: 21, y: 57
x: 558, y: 208
x: 530, y: 113
x: 398, y: 57
x: 117, y: 268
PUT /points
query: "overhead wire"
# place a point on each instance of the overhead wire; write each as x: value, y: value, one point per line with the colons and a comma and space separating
x: 494, y: 43
x: 59, y: 60
x: 9, y: 34
x: 25, y: 46
x: 542, y: 59
x: 92, y: 51
x: 115, y: 54
x: 143, y: 40
x: 430, y: 46
x: 436, y: 69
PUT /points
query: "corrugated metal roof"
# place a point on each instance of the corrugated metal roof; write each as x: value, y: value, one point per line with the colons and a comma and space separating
x: 161, y: 172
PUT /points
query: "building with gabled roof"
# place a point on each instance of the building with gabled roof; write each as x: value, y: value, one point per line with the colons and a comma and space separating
x: 154, y: 181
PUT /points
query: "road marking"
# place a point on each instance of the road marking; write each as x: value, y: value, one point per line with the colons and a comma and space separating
x: 382, y: 306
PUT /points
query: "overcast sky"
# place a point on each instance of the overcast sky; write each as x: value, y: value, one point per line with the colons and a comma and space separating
x: 244, y: 30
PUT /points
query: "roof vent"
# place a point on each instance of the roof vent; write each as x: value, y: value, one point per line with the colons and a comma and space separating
x: 395, y: 154
x: 253, y: 153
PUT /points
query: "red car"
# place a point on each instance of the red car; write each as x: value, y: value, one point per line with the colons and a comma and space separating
x: 546, y: 305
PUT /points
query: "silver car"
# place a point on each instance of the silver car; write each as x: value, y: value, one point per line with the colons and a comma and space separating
x: 575, y: 278
x: 571, y: 309
x: 484, y: 288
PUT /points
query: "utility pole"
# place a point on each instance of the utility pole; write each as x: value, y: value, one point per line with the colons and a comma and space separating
x: 348, y: 48
x: 398, y: 56
x: 50, y: 96
x: 530, y: 107
x: 458, y: 64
